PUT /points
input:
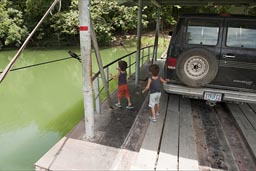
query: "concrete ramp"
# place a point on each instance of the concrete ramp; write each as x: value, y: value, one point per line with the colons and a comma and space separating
x: 72, y: 154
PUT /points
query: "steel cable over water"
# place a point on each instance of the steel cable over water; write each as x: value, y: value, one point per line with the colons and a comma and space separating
x: 38, y: 64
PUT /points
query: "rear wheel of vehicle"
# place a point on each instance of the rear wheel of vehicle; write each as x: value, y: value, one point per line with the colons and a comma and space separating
x: 196, y: 67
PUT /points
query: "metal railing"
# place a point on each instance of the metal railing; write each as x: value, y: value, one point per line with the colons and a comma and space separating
x: 130, y: 58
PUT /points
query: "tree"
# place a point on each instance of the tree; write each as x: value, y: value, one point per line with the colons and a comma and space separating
x: 252, y: 10
x: 108, y: 17
x: 34, y: 11
x: 12, y: 29
x: 67, y: 22
x: 166, y: 16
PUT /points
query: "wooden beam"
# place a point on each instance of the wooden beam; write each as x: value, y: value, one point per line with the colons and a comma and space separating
x: 156, y: 36
x: 100, y: 65
x: 189, y: 2
x: 139, y: 29
x: 206, y: 2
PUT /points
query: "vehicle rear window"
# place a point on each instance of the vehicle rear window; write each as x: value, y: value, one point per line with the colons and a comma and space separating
x: 241, y: 35
x: 205, y: 33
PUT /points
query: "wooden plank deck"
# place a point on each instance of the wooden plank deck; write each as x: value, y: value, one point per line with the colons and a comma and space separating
x: 187, y: 146
x: 169, y: 144
x: 168, y: 155
x: 249, y: 114
x: 176, y: 148
x: 111, y: 129
x: 147, y: 156
x: 245, y: 115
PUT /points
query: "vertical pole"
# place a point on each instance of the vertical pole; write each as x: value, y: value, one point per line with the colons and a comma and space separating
x: 130, y: 67
x: 149, y: 54
x: 142, y: 57
x: 100, y: 64
x: 97, y: 94
x: 137, y: 69
x: 156, y: 36
x: 85, y: 45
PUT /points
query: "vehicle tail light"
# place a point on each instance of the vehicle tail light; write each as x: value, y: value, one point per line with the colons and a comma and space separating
x: 225, y: 14
x: 172, y: 63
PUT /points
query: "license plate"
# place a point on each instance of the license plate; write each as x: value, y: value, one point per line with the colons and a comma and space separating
x: 211, y: 96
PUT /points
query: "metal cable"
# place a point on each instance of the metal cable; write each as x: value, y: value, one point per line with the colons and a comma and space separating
x: 58, y: 9
x: 38, y: 64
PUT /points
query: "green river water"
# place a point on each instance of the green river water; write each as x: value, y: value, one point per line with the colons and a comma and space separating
x: 39, y: 105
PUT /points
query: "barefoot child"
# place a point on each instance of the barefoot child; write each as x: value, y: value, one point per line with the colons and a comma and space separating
x: 154, y: 85
x: 122, y: 89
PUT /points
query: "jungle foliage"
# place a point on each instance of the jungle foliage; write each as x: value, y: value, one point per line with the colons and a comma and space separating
x: 110, y: 20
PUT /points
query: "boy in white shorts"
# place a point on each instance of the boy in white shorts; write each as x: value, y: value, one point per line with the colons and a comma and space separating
x: 154, y: 85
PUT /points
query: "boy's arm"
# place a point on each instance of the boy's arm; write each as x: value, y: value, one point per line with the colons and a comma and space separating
x: 164, y: 80
x: 112, y: 76
x: 147, y: 86
x: 115, y: 76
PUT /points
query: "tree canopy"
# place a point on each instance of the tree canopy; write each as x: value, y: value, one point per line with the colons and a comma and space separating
x: 19, y: 17
x: 12, y: 29
x: 109, y: 19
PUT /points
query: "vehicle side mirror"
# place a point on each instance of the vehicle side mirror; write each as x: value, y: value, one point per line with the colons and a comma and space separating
x: 170, y: 33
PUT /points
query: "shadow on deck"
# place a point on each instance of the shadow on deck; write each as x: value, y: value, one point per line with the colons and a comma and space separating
x: 127, y: 141
x: 119, y: 134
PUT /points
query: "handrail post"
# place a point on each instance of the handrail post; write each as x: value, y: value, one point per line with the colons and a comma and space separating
x: 142, y: 56
x: 130, y: 67
x: 96, y: 85
x: 106, y: 72
x: 107, y: 76
x: 156, y: 36
x: 137, y: 69
x: 148, y: 55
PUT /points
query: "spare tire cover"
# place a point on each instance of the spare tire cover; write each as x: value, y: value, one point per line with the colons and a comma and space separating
x: 196, y: 67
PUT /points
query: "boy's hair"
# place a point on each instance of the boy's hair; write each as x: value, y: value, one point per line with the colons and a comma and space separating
x: 154, y: 69
x: 122, y: 65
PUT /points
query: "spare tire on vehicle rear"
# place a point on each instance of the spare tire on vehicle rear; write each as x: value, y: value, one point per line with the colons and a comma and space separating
x: 196, y: 67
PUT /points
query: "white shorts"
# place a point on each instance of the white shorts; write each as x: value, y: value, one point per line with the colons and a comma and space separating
x: 154, y: 99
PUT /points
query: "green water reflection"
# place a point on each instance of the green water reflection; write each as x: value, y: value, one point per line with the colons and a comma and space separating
x: 39, y: 105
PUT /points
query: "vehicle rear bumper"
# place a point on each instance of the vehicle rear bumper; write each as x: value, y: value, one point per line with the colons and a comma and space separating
x: 228, y: 95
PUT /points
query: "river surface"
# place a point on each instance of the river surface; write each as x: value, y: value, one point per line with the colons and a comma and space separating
x: 39, y: 105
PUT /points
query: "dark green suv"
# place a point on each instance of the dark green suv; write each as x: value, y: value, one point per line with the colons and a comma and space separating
x: 213, y: 57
